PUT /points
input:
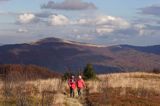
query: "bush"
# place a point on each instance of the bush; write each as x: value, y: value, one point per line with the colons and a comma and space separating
x: 66, y: 76
x: 156, y: 71
x: 89, y: 72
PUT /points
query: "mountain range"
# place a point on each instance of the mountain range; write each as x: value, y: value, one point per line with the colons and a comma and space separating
x: 61, y: 55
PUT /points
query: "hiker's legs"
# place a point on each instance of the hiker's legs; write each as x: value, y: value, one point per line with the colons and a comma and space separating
x: 79, y: 92
x: 71, y: 92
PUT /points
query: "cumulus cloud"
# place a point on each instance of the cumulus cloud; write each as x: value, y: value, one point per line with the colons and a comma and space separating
x: 58, y: 20
x: 103, y: 30
x: 104, y: 23
x: 100, y: 25
x: 42, y: 17
x: 27, y: 18
x: 69, y: 5
x: 127, y: 29
x: 108, y: 24
x: 134, y: 30
x: 151, y: 10
x: 22, y: 30
x: 104, y: 20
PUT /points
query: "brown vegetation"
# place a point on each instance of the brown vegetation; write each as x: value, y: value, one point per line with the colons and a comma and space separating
x: 16, y: 88
x: 120, y: 89
x: 26, y: 72
x: 128, y: 89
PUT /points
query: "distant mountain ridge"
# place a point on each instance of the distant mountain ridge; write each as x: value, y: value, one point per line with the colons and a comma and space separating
x: 149, y: 49
x: 61, y: 55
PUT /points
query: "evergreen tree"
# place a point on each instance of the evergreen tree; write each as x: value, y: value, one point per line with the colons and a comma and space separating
x: 88, y: 72
x: 66, y: 76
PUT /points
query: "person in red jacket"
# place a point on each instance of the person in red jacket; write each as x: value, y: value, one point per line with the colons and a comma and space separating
x: 72, y: 85
x: 80, y: 85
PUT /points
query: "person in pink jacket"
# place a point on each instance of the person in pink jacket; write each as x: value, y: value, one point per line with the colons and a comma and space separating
x: 80, y: 85
x: 72, y: 85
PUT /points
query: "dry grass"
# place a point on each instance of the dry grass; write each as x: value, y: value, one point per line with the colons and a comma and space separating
x: 125, y: 89
x: 136, y: 80
x: 54, y: 92
x: 118, y: 85
x: 49, y: 84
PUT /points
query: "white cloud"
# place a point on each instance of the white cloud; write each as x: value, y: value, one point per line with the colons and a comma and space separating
x: 75, y: 30
x: 104, y: 20
x: 100, y: 25
x: 108, y: 24
x: 83, y: 21
x: 141, y: 28
x: 103, y: 30
x: 22, y: 30
x: 26, y: 18
x: 58, y: 20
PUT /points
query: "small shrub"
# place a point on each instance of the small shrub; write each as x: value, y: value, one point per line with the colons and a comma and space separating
x: 89, y: 72
x: 66, y: 76
x: 156, y: 71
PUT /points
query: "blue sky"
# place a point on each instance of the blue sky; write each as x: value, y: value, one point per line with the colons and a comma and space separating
x: 104, y: 22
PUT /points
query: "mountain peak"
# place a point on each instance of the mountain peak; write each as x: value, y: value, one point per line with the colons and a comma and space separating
x: 48, y: 40
x: 59, y: 40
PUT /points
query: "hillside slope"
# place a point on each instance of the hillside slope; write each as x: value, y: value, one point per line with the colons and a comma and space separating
x: 25, y: 72
x: 60, y: 55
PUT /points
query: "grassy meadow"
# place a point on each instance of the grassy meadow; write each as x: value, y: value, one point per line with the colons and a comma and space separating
x: 120, y: 89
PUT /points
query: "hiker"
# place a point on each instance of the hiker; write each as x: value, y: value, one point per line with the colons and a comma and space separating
x: 80, y: 85
x: 72, y: 85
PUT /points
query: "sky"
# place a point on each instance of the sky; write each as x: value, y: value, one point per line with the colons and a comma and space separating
x: 101, y: 22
